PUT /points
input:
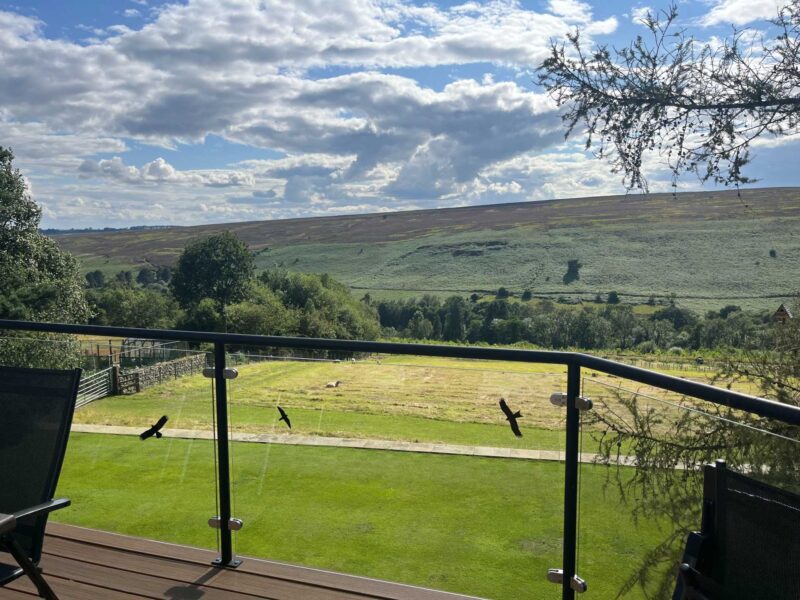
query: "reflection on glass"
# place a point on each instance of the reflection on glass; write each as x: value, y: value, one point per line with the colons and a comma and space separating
x: 140, y: 458
x: 401, y: 468
x: 648, y: 447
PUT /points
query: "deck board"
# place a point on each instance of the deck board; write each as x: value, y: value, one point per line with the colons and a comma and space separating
x: 84, y: 563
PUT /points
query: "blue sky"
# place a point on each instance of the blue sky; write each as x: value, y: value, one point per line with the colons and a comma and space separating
x: 142, y: 112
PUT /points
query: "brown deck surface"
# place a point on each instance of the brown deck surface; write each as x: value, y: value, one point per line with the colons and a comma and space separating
x: 86, y: 564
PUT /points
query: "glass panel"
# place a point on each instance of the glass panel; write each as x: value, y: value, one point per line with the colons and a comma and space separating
x: 644, y: 450
x: 159, y: 487
x: 401, y: 468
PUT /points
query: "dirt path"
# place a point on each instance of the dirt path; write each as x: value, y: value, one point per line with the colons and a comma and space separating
x: 337, y: 442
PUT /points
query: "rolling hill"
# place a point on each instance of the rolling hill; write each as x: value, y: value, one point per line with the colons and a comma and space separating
x: 706, y: 248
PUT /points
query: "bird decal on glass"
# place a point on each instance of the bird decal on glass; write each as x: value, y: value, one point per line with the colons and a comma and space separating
x: 284, y: 417
x: 155, y: 430
x: 511, y: 417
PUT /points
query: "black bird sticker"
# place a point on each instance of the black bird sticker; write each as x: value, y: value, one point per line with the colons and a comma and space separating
x: 284, y: 417
x: 155, y: 430
x: 511, y: 417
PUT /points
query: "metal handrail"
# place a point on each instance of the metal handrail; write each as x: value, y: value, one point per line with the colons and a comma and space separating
x: 574, y: 361
x: 749, y: 403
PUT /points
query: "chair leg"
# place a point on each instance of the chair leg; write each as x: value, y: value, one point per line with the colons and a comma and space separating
x: 31, y: 570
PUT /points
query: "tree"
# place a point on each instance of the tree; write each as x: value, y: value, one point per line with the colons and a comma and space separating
x: 38, y: 281
x: 163, y: 274
x: 613, y: 298
x: 698, y: 104
x: 317, y: 306
x: 95, y: 279
x: 502, y: 293
x: 419, y: 327
x: 32, y: 267
x: 218, y: 267
x: 124, y: 306
x: 668, y: 444
x: 124, y: 278
x: 527, y: 295
x: 146, y: 276
x: 455, y: 317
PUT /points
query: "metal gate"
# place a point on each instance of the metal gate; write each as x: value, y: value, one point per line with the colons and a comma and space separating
x: 93, y: 387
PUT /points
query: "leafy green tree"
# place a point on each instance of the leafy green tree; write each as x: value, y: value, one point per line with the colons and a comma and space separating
x: 320, y: 306
x: 669, y: 447
x: 527, y: 295
x: 146, y: 276
x: 261, y: 319
x: 613, y: 298
x: 164, y: 274
x: 95, y: 279
x: 204, y: 316
x: 455, y: 326
x: 124, y: 278
x: 679, y: 317
x: 218, y: 267
x: 123, y: 306
x: 38, y: 281
x: 31, y: 264
x: 725, y: 311
x: 502, y: 293
x: 419, y: 327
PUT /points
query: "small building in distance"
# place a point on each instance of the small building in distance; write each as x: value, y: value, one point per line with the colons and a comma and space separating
x: 782, y: 314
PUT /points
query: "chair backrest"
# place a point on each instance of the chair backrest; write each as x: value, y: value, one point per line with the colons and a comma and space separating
x: 36, y: 407
x: 750, y: 544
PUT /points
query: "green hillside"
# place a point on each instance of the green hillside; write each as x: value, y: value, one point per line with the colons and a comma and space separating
x: 709, y: 249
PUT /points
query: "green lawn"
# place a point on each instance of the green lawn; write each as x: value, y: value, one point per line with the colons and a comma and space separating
x: 489, y: 527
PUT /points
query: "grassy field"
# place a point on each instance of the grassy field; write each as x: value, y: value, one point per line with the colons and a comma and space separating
x: 638, y: 246
x: 421, y: 399
x: 490, y: 527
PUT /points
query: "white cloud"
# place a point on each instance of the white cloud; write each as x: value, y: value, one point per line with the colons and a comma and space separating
x: 741, y: 12
x: 572, y: 10
x: 160, y: 171
x: 239, y: 69
x: 639, y: 14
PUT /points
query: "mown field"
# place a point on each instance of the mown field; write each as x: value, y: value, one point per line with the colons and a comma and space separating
x: 489, y: 527
x: 708, y: 249
x: 417, y: 399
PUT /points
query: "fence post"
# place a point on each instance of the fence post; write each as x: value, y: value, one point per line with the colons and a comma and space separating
x: 115, y: 387
x: 226, y: 558
x: 571, y: 467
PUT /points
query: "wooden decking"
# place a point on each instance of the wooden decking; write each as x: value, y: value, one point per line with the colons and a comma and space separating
x: 85, y: 564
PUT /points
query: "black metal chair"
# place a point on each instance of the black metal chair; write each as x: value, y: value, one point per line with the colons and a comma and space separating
x: 749, y: 543
x: 36, y: 407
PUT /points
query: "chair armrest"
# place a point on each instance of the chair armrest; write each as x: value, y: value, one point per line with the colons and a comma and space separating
x: 42, y: 509
x: 7, y: 523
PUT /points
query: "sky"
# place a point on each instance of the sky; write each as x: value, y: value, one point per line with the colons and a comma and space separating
x: 143, y: 112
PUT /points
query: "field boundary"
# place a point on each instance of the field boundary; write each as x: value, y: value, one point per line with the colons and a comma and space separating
x: 358, y: 443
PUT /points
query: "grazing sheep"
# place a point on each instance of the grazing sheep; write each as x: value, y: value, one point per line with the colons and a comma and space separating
x: 333, y: 384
